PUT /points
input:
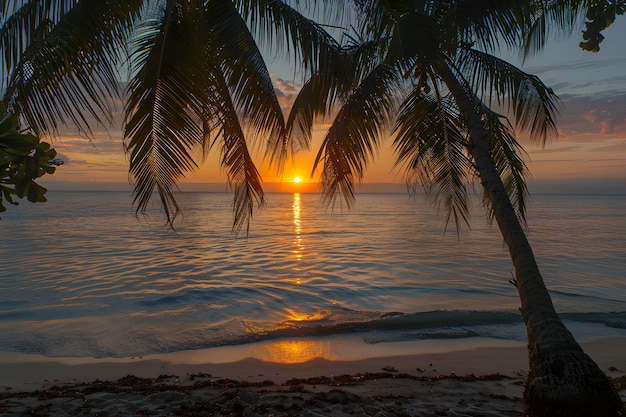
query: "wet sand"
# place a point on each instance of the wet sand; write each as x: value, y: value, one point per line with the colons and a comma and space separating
x: 453, y: 378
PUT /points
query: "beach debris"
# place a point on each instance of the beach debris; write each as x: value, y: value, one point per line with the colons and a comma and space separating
x: 381, y: 394
x: 619, y: 382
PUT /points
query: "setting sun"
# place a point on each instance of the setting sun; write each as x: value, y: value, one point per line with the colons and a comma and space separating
x: 297, y: 180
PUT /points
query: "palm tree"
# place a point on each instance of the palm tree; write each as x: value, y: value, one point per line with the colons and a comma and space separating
x: 424, y: 68
x: 198, y: 81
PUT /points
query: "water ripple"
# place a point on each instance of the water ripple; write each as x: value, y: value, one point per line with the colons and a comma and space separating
x: 84, y: 277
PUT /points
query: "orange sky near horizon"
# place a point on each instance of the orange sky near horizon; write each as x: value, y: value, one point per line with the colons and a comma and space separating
x: 590, y: 149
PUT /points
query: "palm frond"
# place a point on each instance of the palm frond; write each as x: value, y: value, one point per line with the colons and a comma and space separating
x: 319, y: 94
x: 161, y: 132
x: 533, y: 104
x: 379, y: 18
x: 19, y: 22
x: 286, y: 30
x: 247, y: 76
x: 197, y: 84
x: 314, y: 100
x: 240, y: 167
x: 242, y: 173
x: 68, y: 73
x: 431, y: 146
x: 489, y: 22
x: 562, y: 17
x: 505, y: 151
x: 362, y: 54
x: 422, y: 44
x: 352, y: 139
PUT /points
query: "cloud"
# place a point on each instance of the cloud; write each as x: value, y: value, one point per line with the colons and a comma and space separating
x: 82, y: 148
x: 286, y: 92
x: 613, y: 147
x: 595, y: 118
x: 549, y: 148
x: 63, y: 156
x: 287, y: 86
x: 586, y: 63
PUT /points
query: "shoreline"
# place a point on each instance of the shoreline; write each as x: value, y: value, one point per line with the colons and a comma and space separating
x: 483, y: 378
x: 285, y: 359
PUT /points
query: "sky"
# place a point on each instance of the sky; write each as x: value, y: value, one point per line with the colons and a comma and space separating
x: 588, y: 156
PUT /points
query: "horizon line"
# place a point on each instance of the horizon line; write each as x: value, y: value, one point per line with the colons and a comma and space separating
x: 613, y: 186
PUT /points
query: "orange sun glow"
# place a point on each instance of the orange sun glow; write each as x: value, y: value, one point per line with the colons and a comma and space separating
x: 297, y: 180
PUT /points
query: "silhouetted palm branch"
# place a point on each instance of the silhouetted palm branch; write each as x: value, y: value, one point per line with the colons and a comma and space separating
x: 318, y: 96
x: 533, y: 105
x: 506, y: 151
x: 561, y: 16
x: 161, y: 131
x: 431, y: 146
x: 286, y: 30
x: 20, y: 24
x: 352, y: 139
x: 66, y: 72
x: 246, y: 74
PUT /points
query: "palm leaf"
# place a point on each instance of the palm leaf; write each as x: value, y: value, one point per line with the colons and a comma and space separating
x: 319, y: 94
x: 161, y: 132
x: 431, y: 145
x: 487, y: 22
x: 532, y: 103
x: 505, y: 151
x: 352, y: 139
x: 247, y: 76
x: 407, y: 43
x: 315, y: 99
x: 240, y: 167
x: 19, y: 22
x: 197, y: 85
x: 227, y: 109
x: 562, y: 17
x: 379, y: 18
x: 285, y: 30
x: 69, y: 74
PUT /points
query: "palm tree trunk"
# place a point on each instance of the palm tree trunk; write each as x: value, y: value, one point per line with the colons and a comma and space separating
x: 562, y: 379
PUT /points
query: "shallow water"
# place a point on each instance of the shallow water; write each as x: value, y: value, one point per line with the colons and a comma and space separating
x: 82, y: 276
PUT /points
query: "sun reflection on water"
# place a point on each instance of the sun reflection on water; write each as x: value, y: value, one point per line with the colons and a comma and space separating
x: 294, y: 351
x: 293, y: 315
x: 297, y: 225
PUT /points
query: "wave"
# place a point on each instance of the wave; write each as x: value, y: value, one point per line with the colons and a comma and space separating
x: 101, y: 341
x: 392, y: 327
x: 438, y: 324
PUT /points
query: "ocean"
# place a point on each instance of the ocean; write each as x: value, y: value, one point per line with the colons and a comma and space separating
x: 82, y: 276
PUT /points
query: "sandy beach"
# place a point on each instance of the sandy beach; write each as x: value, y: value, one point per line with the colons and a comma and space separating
x: 453, y: 378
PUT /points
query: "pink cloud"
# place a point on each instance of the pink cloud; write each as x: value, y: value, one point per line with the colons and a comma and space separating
x: 593, y: 118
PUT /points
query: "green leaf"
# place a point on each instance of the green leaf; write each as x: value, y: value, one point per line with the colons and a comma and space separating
x: 23, y: 159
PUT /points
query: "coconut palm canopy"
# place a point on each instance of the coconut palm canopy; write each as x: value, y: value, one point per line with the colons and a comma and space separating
x: 197, y: 81
x: 395, y: 62
x: 424, y: 68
